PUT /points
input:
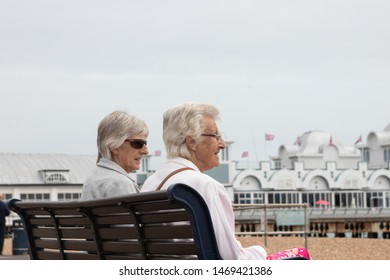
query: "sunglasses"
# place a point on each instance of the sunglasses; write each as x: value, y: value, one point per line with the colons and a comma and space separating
x: 137, y: 143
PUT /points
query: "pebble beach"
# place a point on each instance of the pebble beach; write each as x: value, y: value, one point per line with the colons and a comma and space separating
x: 328, y: 248
x: 319, y: 248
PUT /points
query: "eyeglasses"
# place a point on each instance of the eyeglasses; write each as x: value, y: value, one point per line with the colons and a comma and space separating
x: 218, y: 137
x: 137, y: 143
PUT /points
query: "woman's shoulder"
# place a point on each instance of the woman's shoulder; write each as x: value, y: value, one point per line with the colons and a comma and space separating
x: 200, y: 179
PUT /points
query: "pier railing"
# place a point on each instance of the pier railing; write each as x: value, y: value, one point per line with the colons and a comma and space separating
x: 347, y: 214
x: 282, y: 214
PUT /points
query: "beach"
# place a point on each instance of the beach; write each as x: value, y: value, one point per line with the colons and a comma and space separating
x: 328, y: 248
x: 319, y: 248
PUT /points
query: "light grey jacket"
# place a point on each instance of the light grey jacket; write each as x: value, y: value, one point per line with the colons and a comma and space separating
x: 108, y: 179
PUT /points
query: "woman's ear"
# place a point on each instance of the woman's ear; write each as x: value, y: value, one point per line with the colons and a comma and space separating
x: 191, y: 143
x: 114, y: 151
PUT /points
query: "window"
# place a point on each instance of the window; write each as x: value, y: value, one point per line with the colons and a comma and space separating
x: 35, y: 196
x: 375, y: 199
x: 56, y: 178
x: 386, y: 155
x: 283, y: 197
x: 7, y: 196
x: 243, y: 198
x: 68, y: 196
x: 249, y: 198
x: 258, y: 198
x: 366, y: 155
x: 225, y: 154
x: 312, y: 197
x: 145, y: 165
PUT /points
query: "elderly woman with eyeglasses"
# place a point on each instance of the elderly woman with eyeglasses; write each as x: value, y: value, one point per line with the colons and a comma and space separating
x: 121, y: 142
x: 193, y: 142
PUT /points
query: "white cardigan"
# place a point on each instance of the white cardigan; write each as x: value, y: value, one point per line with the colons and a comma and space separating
x: 218, y: 202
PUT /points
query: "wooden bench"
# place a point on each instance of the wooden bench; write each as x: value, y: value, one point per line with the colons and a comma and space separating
x: 170, y: 224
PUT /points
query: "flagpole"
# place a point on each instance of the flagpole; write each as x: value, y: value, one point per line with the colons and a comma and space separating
x: 254, y: 144
x: 265, y: 147
x: 267, y: 137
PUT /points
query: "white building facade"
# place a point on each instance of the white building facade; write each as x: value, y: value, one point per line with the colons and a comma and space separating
x: 317, y: 167
x: 346, y: 187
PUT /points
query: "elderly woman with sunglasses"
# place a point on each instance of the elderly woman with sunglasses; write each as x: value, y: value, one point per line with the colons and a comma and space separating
x: 121, y: 142
x: 193, y: 142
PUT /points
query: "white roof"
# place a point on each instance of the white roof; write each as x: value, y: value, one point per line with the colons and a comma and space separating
x: 27, y: 168
x: 379, y: 138
x: 314, y: 142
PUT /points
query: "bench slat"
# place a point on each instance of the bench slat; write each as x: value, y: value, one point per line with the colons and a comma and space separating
x: 114, y: 220
x: 48, y: 221
x: 90, y: 246
x: 163, y: 205
x: 171, y: 248
x: 53, y: 255
x: 77, y: 245
x: 122, y: 247
x: 118, y: 233
x: 72, y: 232
x: 168, y: 232
x: 165, y: 217
x: 111, y: 220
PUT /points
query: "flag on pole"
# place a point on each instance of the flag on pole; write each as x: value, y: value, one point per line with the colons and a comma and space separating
x: 244, y: 154
x: 331, y: 140
x: 157, y: 153
x: 358, y: 140
x: 269, y: 137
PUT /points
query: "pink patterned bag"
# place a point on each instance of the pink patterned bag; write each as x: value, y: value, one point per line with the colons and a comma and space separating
x: 290, y: 253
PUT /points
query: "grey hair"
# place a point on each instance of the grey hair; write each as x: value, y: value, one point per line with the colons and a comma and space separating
x: 115, y: 128
x: 185, y: 120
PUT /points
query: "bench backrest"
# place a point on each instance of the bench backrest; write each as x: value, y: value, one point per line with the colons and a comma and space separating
x: 171, y: 224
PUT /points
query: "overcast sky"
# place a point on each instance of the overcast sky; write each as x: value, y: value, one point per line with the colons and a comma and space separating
x: 279, y: 67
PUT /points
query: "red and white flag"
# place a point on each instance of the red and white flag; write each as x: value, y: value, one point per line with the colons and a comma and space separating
x: 157, y: 153
x: 269, y: 137
x: 358, y: 140
x: 244, y: 154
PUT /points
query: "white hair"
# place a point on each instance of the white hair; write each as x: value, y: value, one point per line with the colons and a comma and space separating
x: 185, y: 120
x: 115, y: 128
